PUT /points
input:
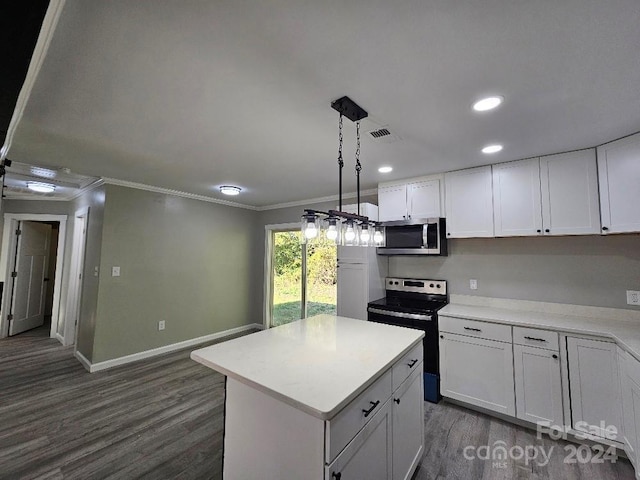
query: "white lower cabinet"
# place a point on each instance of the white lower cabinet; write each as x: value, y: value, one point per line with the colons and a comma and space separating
x: 538, y: 385
x: 408, y: 426
x: 477, y: 371
x: 594, y: 387
x: 628, y: 426
x: 388, y: 443
x: 369, y: 454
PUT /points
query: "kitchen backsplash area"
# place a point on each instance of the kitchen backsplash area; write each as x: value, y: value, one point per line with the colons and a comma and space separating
x: 579, y: 270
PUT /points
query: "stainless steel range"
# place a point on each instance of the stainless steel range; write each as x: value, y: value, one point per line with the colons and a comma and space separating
x: 414, y: 303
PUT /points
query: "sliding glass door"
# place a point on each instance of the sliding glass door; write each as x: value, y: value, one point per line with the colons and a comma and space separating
x: 302, y: 278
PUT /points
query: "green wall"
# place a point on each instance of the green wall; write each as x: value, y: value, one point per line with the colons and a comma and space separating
x: 193, y: 264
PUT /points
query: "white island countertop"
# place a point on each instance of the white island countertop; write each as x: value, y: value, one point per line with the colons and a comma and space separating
x: 317, y: 365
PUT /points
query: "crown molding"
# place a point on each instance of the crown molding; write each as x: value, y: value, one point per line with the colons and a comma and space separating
x: 37, y: 58
x: 88, y: 188
x: 177, y: 193
x: 330, y: 198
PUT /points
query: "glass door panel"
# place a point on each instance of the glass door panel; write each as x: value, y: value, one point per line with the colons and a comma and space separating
x: 321, y: 278
x: 287, y: 301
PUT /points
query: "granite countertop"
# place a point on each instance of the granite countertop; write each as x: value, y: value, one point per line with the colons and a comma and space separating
x: 317, y: 365
x: 622, y: 326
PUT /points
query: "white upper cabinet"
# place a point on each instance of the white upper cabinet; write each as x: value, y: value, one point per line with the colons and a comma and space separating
x: 619, y: 178
x: 410, y: 201
x: 392, y: 203
x: 517, y: 203
x: 423, y: 199
x: 469, y: 203
x: 569, y: 183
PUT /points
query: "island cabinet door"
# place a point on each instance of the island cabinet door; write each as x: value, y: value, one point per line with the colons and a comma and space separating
x: 477, y: 371
x: 408, y: 426
x: 368, y: 455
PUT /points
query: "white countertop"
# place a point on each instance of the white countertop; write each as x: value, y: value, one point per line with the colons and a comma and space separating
x: 318, y: 364
x: 625, y: 332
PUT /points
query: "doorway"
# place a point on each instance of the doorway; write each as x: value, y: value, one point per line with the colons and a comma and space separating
x: 301, y: 279
x: 27, y: 295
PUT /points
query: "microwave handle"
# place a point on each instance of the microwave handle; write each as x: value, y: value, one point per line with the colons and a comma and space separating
x: 425, y: 234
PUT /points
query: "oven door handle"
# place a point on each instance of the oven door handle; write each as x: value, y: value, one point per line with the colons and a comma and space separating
x: 411, y: 316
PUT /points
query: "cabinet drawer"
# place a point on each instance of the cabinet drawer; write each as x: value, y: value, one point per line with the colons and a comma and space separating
x: 536, y: 338
x: 406, y: 365
x: 473, y: 328
x: 345, y: 425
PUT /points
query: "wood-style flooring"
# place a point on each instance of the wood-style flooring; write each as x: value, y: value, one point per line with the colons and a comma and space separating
x: 162, y: 419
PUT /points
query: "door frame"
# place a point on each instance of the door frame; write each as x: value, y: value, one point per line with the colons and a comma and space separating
x: 7, y: 265
x: 268, y: 278
x: 76, y: 267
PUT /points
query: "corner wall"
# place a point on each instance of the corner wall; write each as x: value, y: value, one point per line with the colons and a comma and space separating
x: 190, y: 263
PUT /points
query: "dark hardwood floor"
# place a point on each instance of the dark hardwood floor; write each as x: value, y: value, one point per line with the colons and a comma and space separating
x: 162, y: 419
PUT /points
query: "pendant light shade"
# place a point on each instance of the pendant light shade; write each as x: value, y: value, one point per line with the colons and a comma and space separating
x: 310, y: 227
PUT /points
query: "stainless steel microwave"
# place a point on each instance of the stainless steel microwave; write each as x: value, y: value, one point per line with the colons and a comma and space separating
x: 415, y: 237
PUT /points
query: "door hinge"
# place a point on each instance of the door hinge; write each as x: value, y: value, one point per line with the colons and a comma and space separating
x: 14, y: 274
x: 9, y: 317
x: 18, y: 232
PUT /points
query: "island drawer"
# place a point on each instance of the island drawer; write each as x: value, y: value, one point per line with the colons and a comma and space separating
x: 406, y: 365
x: 534, y: 337
x: 474, y: 328
x: 349, y: 421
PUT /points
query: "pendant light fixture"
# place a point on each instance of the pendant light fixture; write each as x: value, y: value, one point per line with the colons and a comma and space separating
x: 336, y: 226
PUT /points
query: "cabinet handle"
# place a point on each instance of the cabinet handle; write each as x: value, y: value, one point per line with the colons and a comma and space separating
x: 539, y: 231
x: 473, y: 329
x: 397, y: 400
x: 535, y: 339
x: 547, y: 230
x: 554, y: 355
x: 605, y: 229
x: 412, y: 363
x: 337, y: 476
x: 441, y: 336
x: 373, y: 406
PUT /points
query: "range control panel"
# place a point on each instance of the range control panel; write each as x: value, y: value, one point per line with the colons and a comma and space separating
x: 437, y: 287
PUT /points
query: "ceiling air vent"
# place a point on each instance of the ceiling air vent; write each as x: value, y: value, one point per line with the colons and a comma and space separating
x: 383, y: 135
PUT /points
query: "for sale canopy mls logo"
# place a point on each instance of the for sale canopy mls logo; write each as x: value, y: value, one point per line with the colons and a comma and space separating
x: 499, y: 454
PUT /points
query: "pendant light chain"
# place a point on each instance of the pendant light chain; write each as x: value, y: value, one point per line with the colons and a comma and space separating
x: 358, y: 166
x: 340, y: 163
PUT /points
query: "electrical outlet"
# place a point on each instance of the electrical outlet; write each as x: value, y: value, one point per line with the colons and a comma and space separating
x: 161, y: 325
x: 633, y: 297
x: 115, y: 271
x: 473, y: 284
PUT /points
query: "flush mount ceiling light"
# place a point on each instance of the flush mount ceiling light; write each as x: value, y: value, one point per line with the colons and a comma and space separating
x: 41, y: 187
x: 492, y: 149
x: 336, y: 226
x: 230, y: 190
x: 385, y: 169
x: 489, y: 103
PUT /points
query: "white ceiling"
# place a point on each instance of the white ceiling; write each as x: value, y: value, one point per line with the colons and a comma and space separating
x: 190, y: 95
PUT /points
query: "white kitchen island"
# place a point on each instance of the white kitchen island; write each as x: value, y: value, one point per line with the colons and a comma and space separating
x: 326, y: 397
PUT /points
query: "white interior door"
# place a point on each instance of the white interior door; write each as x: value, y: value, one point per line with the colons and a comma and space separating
x: 27, y: 303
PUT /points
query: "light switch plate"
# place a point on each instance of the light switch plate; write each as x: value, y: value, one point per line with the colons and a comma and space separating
x: 633, y: 297
x: 473, y: 284
x: 161, y: 325
x: 115, y: 271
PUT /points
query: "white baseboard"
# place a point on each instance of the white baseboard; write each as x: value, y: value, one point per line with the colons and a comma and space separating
x: 60, y: 338
x: 134, y: 357
x: 83, y: 360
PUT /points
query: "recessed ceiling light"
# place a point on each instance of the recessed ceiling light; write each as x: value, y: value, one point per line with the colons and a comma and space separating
x: 41, y: 187
x: 385, y: 169
x: 492, y: 149
x: 230, y: 190
x: 488, y: 103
